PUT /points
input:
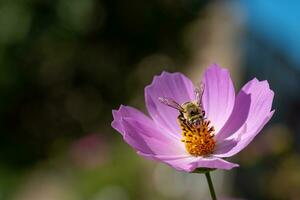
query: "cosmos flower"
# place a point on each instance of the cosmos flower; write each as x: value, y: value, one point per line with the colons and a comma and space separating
x: 228, y: 124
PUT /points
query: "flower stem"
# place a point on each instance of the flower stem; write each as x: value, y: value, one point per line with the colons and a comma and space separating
x: 211, y: 187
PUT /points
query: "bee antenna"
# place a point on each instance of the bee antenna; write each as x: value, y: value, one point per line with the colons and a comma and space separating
x: 162, y: 100
x: 199, y: 93
x: 171, y: 103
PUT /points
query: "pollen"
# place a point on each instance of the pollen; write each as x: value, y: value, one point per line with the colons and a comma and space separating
x: 199, y: 141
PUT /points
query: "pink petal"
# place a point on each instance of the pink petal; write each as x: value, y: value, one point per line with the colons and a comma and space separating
x: 258, y: 114
x: 216, y: 163
x: 127, y: 112
x: 246, y: 137
x: 171, y: 85
x: 225, y: 146
x: 181, y: 164
x: 219, y: 95
x: 189, y: 164
x: 143, y: 135
x: 238, y: 116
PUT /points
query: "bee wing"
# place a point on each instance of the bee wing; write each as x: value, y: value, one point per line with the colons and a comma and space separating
x: 170, y: 102
x: 199, y: 93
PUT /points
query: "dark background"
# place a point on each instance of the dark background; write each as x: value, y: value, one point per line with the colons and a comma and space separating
x: 65, y: 64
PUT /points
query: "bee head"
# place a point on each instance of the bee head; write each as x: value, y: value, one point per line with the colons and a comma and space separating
x: 192, y: 112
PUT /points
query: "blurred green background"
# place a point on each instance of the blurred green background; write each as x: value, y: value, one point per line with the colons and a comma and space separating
x: 65, y: 64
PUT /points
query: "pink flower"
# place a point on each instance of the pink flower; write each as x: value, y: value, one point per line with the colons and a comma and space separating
x: 230, y: 122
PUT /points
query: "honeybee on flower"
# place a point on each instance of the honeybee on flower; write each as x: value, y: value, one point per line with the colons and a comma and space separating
x: 199, y: 127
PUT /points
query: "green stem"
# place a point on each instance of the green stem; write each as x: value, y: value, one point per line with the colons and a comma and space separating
x: 211, y: 187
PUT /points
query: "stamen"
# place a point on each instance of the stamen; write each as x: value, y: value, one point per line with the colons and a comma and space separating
x: 199, y: 141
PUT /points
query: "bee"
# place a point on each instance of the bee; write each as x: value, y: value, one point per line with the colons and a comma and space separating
x: 191, y: 112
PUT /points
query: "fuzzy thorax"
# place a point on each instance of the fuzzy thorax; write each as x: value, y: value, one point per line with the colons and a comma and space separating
x: 199, y: 141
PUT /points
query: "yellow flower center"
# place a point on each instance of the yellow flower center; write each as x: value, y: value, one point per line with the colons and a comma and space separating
x: 199, y: 141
